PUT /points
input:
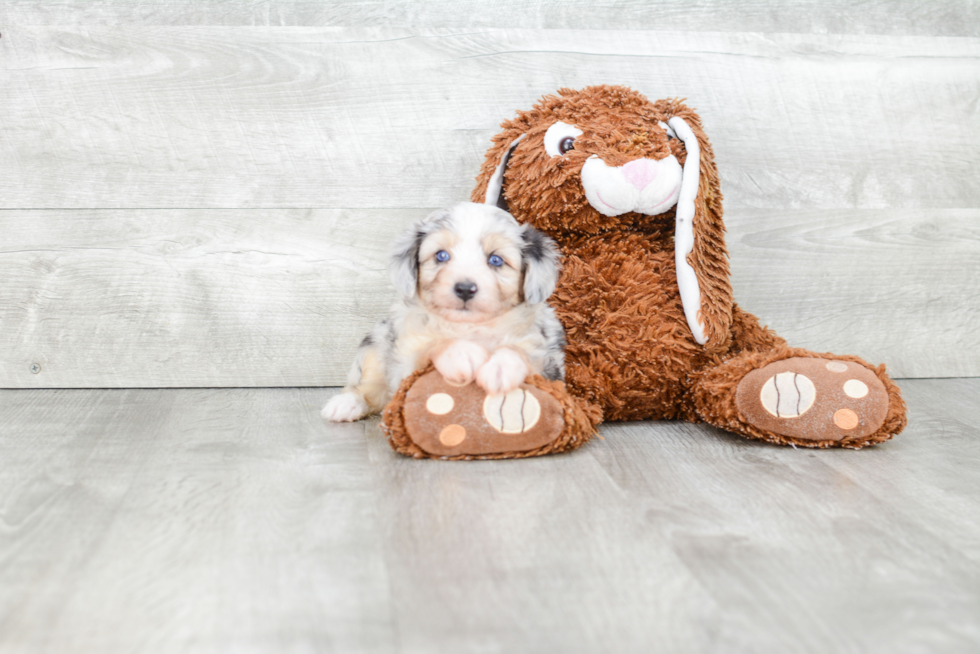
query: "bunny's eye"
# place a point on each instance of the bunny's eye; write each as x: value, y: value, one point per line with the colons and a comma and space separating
x: 442, y: 256
x: 560, y: 138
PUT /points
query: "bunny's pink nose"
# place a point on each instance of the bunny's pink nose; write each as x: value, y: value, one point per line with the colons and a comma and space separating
x: 640, y: 172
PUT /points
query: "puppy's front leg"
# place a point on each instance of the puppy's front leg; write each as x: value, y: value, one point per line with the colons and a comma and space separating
x: 504, y: 372
x: 459, y: 362
x: 346, y: 407
x: 366, y: 390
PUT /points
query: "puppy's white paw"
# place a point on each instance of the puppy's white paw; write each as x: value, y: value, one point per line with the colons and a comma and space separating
x: 345, y: 407
x: 503, y: 372
x: 459, y: 362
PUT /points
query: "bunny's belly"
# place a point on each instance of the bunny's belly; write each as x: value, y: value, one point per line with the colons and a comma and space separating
x: 629, y: 347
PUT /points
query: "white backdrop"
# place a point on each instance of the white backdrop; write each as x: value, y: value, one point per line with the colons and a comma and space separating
x: 201, y: 194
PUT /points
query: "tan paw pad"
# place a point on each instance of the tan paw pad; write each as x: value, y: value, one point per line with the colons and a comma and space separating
x: 788, y: 395
x: 846, y: 419
x: 810, y: 399
x: 440, y: 404
x: 512, y: 413
x: 856, y: 389
x: 452, y: 435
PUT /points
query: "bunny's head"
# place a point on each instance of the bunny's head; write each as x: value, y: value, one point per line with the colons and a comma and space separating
x: 606, y: 159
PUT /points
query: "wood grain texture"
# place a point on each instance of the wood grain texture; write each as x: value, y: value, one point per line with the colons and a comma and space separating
x: 234, y: 520
x: 893, y: 286
x: 234, y: 117
x: 149, y: 298
x: 158, y: 298
x: 252, y: 177
x: 936, y: 18
x: 186, y: 521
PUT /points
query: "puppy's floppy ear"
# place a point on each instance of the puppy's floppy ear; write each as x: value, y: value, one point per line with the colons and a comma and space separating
x: 699, y: 238
x: 541, y: 265
x: 403, y: 262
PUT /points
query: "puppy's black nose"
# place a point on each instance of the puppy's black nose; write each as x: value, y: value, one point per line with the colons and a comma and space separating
x: 465, y: 290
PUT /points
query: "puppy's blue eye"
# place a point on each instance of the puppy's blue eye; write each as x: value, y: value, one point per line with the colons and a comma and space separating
x: 496, y: 261
x: 442, y: 256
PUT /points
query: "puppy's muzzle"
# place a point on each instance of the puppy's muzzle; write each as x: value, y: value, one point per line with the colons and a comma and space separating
x: 465, y: 290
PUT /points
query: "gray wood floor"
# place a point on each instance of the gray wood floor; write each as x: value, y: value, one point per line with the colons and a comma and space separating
x: 235, y: 520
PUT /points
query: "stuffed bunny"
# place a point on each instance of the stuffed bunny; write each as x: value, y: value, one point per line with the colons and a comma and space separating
x: 629, y: 190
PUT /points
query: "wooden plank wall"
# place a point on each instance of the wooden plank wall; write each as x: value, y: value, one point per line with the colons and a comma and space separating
x: 201, y: 194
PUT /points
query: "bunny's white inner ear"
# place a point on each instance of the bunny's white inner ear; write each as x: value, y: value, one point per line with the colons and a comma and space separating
x: 496, y: 182
x: 687, y: 280
x: 667, y: 128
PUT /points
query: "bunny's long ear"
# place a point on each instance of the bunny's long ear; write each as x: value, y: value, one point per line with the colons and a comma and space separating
x: 490, y: 181
x: 495, y: 185
x: 700, y: 254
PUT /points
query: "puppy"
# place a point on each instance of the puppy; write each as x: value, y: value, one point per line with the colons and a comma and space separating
x: 472, y: 284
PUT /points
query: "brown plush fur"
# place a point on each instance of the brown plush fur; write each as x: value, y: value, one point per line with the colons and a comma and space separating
x: 580, y: 421
x: 630, y: 349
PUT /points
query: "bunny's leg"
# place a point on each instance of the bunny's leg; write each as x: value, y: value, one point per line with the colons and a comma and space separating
x: 431, y: 417
x: 792, y: 396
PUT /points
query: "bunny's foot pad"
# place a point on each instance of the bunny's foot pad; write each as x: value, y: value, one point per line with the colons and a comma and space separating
x: 431, y: 418
x: 814, y: 399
